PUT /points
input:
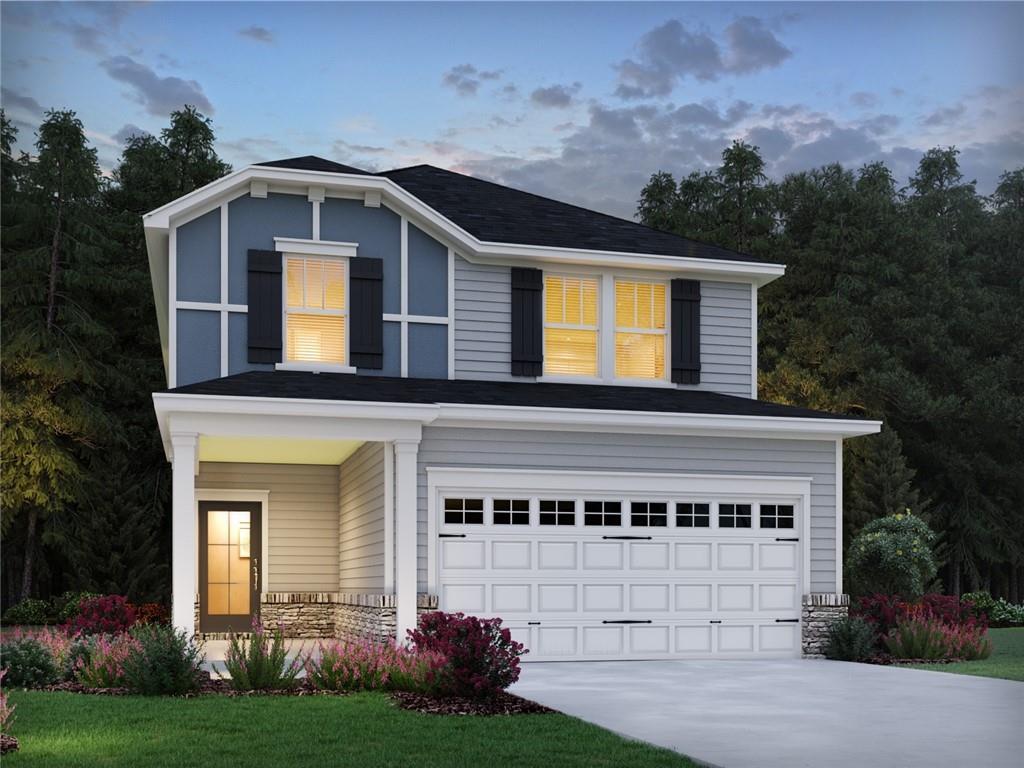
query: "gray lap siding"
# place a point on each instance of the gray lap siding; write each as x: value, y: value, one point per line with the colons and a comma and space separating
x: 581, y: 451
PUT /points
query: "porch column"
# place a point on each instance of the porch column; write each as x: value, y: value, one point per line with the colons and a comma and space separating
x: 184, y: 541
x: 405, y: 536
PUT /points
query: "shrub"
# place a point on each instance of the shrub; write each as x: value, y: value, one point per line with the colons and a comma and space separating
x: 65, y: 606
x: 152, y: 613
x: 76, y: 656
x: 929, y: 639
x: 370, y: 666
x: 893, y: 555
x: 28, y: 611
x: 884, y: 612
x: 998, y: 612
x: 28, y: 663
x: 850, y: 639
x: 104, y: 667
x: 483, y: 659
x: 107, y: 615
x: 6, y: 709
x: 259, y: 662
x: 165, y: 662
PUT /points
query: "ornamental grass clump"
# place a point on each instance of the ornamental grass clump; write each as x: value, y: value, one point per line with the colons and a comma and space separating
x: 483, y: 659
x: 259, y: 661
x: 164, y: 662
x: 374, y: 666
x: 103, y: 666
x: 922, y: 638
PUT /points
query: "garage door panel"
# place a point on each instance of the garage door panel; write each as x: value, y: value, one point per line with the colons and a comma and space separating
x: 463, y: 555
x: 694, y: 639
x: 736, y: 597
x: 649, y: 640
x: 556, y: 598
x: 603, y: 598
x: 511, y: 598
x: 778, y: 597
x: 735, y: 638
x: 649, y: 598
x: 511, y: 555
x: 604, y: 641
x: 648, y: 556
x: 778, y: 556
x: 469, y: 598
x: 693, y: 557
x: 556, y: 555
x: 779, y: 637
x: 602, y: 555
x: 693, y: 597
x: 556, y: 641
x: 735, y: 557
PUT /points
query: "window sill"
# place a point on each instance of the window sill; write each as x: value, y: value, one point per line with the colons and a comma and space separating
x: 653, y: 383
x: 314, y: 367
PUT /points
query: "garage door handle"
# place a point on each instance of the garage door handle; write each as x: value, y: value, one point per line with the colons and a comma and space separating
x: 715, y: 621
x: 786, y: 621
x: 451, y: 535
x: 627, y: 621
x: 629, y: 538
x: 778, y: 539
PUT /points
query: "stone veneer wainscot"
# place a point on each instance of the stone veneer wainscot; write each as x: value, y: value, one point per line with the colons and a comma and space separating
x: 820, y: 609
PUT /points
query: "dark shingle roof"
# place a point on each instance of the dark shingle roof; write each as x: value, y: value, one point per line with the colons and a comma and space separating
x: 498, y: 214
x: 383, y: 389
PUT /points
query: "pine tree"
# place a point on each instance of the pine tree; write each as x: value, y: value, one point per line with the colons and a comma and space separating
x: 878, y: 482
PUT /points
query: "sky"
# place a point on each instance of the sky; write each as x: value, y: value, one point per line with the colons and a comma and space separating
x: 578, y: 101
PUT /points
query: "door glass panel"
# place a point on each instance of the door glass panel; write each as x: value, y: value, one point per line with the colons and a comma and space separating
x: 228, y: 565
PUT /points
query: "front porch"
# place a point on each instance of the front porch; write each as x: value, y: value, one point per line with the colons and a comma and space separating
x: 305, y: 523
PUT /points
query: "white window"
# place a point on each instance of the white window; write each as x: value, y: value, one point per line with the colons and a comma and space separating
x: 316, y: 310
x: 570, y: 325
x: 640, y: 329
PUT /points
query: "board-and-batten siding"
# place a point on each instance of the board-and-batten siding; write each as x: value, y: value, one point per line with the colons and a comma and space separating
x: 483, y: 329
x: 527, y: 449
x: 361, y: 540
x: 303, y: 519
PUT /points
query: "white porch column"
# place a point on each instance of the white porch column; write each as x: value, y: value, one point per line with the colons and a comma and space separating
x: 184, y: 539
x: 405, y: 536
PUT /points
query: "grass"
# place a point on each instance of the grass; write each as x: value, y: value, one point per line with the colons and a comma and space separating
x: 69, y: 729
x: 1006, y: 661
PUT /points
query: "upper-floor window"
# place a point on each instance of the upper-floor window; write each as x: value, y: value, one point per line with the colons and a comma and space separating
x: 316, y: 310
x: 640, y: 337
x: 570, y: 325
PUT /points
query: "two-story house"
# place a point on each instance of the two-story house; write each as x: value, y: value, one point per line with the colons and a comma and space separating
x: 390, y: 392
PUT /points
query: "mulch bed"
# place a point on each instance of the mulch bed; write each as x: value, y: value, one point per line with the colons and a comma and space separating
x: 206, y: 688
x: 7, y: 744
x: 886, y: 660
x: 502, y: 704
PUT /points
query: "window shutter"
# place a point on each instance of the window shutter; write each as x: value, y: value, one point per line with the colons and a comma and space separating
x: 686, y: 331
x: 264, y: 316
x: 527, y: 322
x: 366, y: 312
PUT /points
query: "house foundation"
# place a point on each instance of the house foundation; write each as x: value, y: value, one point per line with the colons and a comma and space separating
x: 819, y: 611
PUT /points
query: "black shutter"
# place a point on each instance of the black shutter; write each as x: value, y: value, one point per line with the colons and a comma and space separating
x: 686, y: 331
x: 527, y: 322
x: 264, y: 316
x: 366, y: 334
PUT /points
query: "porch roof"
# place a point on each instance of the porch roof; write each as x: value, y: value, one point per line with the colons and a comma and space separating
x: 304, y: 385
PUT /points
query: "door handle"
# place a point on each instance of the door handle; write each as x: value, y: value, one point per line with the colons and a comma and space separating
x: 255, y: 574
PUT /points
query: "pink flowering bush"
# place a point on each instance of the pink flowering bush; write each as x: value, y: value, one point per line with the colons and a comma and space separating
x: 483, y: 659
x: 7, y: 742
x: 371, y: 666
x: 928, y: 638
x: 55, y: 640
x: 104, y: 664
x: 105, y: 615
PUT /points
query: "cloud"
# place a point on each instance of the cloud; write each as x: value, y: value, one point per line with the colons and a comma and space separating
x: 159, y: 95
x: 670, y: 53
x: 466, y: 79
x: 944, y: 115
x: 257, y: 33
x: 708, y: 115
x: 772, y: 142
x: 10, y: 98
x: 129, y: 131
x: 879, y: 125
x: 555, y: 95
x: 864, y: 99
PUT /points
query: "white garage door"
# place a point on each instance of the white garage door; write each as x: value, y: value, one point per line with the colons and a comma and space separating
x: 627, y: 566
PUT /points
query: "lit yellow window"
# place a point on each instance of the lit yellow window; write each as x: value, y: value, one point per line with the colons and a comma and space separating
x: 639, y: 330
x: 316, y: 311
x: 570, y: 326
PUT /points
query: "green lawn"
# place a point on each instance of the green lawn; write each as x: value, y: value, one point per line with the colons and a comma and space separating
x: 1006, y: 661
x: 362, y: 730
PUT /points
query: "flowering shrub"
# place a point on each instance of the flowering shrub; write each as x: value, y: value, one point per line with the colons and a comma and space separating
x: 65, y: 606
x: 929, y: 639
x: 165, y: 662
x: 152, y: 613
x: 7, y: 742
x: 259, y: 662
x: 29, y: 611
x: 104, y: 666
x: 105, y: 615
x: 483, y: 659
x: 886, y: 611
x: 28, y: 663
x: 893, y: 555
x: 1000, y: 613
x: 371, y: 666
x: 850, y: 639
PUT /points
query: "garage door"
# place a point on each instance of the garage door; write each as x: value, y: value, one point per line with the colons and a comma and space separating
x: 598, y: 567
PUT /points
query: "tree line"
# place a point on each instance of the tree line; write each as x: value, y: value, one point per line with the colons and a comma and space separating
x: 901, y: 304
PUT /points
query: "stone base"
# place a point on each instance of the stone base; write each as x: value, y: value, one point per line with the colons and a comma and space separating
x: 820, y: 609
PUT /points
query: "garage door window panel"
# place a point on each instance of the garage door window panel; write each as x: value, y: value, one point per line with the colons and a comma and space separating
x: 648, y: 514
x: 560, y: 512
x: 693, y: 515
x: 511, y: 512
x: 734, y: 516
x: 776, y: 516
x: 458, y: 511
x: 602, y: 513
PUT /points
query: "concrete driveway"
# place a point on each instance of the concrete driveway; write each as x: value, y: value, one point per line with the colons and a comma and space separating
x: 762, y: 714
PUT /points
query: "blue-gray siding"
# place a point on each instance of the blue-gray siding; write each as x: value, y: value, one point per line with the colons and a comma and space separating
x: 198, y: 271
x: 254, y: 222
x: 428, y: 274
x: 378, y: 231
x: 198, y: 345
x: 361, y: 532
x: 428, y: 351
x: 525, y: 449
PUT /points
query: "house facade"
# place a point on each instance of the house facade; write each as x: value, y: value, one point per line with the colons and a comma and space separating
x: 402, y: 391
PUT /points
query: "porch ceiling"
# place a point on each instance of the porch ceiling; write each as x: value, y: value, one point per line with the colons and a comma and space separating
x: 275, y: 450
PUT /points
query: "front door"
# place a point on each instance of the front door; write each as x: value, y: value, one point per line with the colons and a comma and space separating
x: 229, y: 565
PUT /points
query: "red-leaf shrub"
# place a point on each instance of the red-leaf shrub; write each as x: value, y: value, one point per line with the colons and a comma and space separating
x: 107, y: 615
x: 885, y: 612
x: 152, y: 613
x: 925, y: 638
x: 483, y: 658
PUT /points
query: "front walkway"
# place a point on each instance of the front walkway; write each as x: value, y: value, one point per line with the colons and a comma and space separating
x: 215, y: 651
x: 785, y: 714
